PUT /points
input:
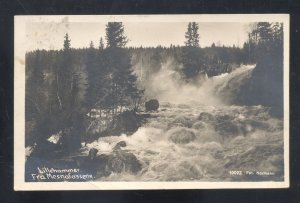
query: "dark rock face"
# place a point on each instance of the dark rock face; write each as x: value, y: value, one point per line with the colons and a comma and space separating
x: 152, y: 105
x: 265, y: 87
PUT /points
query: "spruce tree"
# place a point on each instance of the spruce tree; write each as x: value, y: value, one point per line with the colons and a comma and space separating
x: 115, y: 35
x: 101, y: 44
x: 195, y: 35
x: 96, y: 77
x: 92, y: 45
x: 67, y: 42
x: 189, y: 35
x: 71, y: 87
x: 121, y: 84
x: 192, y: 57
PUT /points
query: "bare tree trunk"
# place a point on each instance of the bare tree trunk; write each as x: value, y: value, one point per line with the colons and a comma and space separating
x: 72, y: 83
x: 57, y: 92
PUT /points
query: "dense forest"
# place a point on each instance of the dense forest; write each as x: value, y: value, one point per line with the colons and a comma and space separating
x: 70, y: 91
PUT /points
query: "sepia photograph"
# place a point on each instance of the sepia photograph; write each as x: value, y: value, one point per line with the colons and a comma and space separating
x: 151, y: 102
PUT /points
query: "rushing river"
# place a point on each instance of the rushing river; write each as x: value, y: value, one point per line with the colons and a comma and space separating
x: 196, y: 137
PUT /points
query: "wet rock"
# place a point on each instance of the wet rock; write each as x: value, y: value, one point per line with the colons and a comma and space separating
x: 127, y: 122
x: 257, y: 124
x: 90, y: 164
x: 199, y: 125
x: 205, y: 117
x: 92, y: 154
x: 119, y: 145
x: 181, y: 135
x: 47, y: 150
x: 152, y: 105
x: 116, y: 162
x: 227, y: 128
x: 121, y: 161
x: 224, y: 117
x: 181, y: 121
x: 226, y: 125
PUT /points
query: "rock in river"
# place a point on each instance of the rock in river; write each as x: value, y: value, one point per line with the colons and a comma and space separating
x: 181, y: 135
x: 115, y: 162
x: 119, y: 145
x: 205, y: 117
x: 121, y: 161
x: 152, y: 105
x: 127, y: 122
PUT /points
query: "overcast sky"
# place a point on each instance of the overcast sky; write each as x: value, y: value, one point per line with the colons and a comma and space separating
x: 51, y: 35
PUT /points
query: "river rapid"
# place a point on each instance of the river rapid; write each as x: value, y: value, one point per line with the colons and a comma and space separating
x: 198, y: 136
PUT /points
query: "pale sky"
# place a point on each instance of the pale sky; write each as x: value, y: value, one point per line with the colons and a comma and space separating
x: 51, y: 35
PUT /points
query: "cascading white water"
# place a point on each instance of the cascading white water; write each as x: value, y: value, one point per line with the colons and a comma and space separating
x: 197, y: 136
x: 167, y: 85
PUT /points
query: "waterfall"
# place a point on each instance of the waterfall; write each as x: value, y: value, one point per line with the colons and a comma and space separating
x: 167, y: 85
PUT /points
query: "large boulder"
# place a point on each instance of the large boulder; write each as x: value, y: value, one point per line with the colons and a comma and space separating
x: 115, y: 162
x: 199, y: 125
x: 46, y: 150
x: 127, y: 122
x: 181, y: 135
x: 206, y: 117
x: 119, y: 145
x: 226, y: 126
x: 121, y: 161
x: 152, y: 105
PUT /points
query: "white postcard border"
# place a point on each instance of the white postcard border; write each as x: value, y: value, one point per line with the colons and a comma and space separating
x: 19, y: 102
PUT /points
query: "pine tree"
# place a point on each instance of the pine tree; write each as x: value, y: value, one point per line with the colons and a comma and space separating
x: 277, y: 29
x: 92, y: 45
x: 192, y: 57
x: 121, y: 83
x: 115, y: 35
x: 195, y: 35
x: 96, y: 77
x: 189, y: 35
x: 71, y: 88
x: 67, y: 42
x: 101, y: 44
x: 264, y: 31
